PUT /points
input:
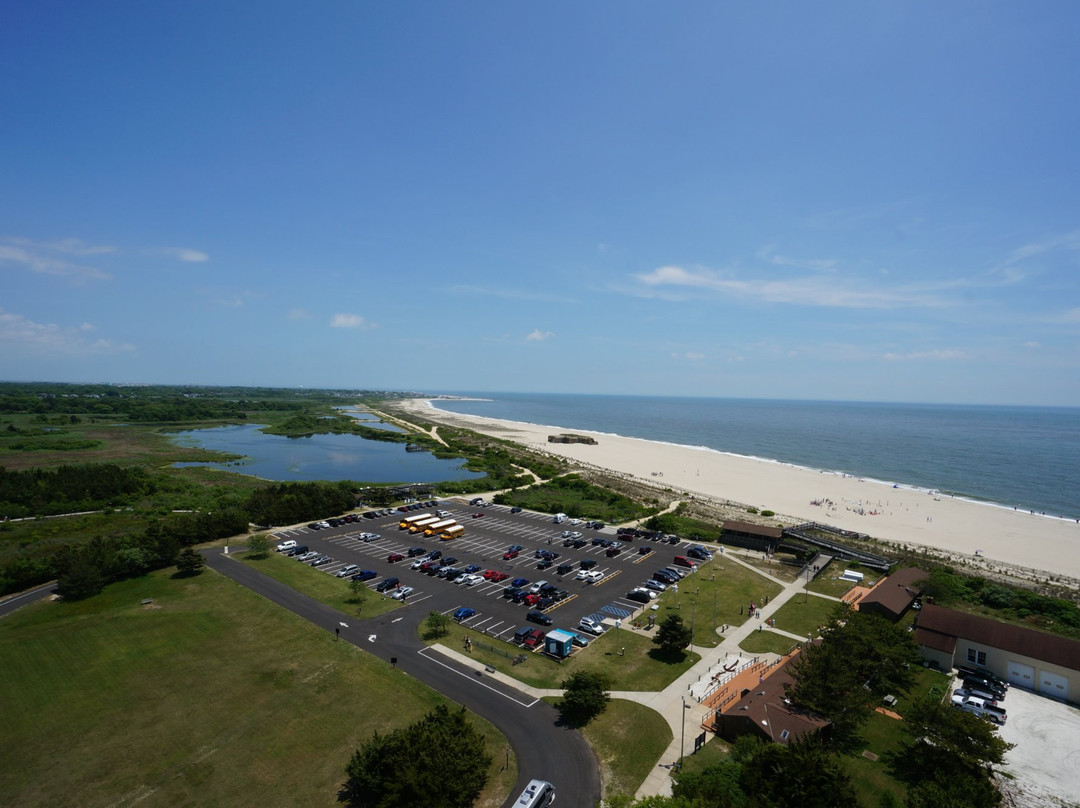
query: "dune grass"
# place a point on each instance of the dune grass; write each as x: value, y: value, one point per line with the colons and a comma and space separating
x: 210, y: 695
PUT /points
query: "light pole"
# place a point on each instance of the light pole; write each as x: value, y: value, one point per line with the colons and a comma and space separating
x: 682, y: 740
x: 693, y: 604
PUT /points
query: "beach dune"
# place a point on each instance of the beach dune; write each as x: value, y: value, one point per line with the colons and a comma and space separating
x: 979, y: 533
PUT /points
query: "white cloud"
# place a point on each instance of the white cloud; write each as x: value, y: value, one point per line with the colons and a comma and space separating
x: 44, y: 258
x: 767, y: 254
x: 1032, y: 344
x: 538, y: 335
x: 689, y: 356
x: 298, y: 314
x: 813, y: 290
x: 18, y: 333
x: 944, y: 354
x: 183, y: 254
x: 348, y: 321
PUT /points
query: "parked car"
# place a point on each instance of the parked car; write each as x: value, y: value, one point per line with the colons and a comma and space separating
x: 519, y: 582
x: 590, y: 576
x: 644, y: 549
x: 512, y: 591
x: 515, y: 548
x: 539, y: 617
x: 387, y: 583
x: 587, y: 563
x: 464, y: 613
x: 657, y: 586
x: 365, y: 575
x: 471, y: 568
x: 543, y: 565
x: 611, y: 552
x: 515, y: 509
x: 416, y: 551
x: 366, y: 537
x: 448, y: 560
x: 591, y: 625
x: 308, y: 556
x: 531, y: 598
x: 522, y: 633
x: 641, y: 595
x: 347, y: 570
x: 394, y: 557
x: 434, y: 554
x: 499, y: 576
x: 321, y: 560
x: 562, y: 569
x: 665, y: 577
x: 534, y: 638
x: 286, y: 545
x: 477, y: 515
x: 298, y: 550
x: 469, y: 579
x: 402, y: 593
x: 511, y: 554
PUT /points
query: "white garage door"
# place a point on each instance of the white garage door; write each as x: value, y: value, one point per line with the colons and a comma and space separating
x: 1053, y: 685
x: 1021, y: 675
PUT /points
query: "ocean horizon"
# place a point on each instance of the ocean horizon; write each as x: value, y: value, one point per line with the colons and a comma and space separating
x: 1012, y: 456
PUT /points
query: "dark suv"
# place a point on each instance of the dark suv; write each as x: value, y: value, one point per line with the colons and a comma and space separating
x: 539, y: 617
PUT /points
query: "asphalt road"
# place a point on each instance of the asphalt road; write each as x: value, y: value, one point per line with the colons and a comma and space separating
x: 544, y: 749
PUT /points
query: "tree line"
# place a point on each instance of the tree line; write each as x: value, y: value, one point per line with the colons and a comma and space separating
x: 83, y: 569
x: 69, y: 489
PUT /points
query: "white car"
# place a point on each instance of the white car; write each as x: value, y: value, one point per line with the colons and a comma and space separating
x: 369, y: 536
x: 590, y: 625
x: 324, y: 523
x: 469, y: 580
x: 416, y: 564
x: 347, y: 570
x: 404, y: 592
x: 583, y: 574
x: 575, y: 521
x: 286, y: 545
x: 645, y: 591
x: 592, y: 576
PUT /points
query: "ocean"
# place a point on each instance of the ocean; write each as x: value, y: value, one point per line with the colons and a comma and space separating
x: 1015, y: 457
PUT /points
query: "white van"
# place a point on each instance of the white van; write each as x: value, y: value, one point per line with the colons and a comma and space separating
x: 537, y: 794
x: 560, y: 518
x: 442, y: 514
x: 286, y: 545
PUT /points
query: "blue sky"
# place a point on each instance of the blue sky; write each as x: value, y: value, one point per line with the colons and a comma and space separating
x: 861, y: 201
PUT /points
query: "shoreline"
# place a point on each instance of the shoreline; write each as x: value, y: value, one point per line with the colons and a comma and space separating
x: 974, y: 532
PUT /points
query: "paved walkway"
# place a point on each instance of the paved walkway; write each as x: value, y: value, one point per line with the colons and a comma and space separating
x: 678, y: 702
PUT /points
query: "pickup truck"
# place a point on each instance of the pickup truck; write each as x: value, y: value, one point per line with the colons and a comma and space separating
x: 980, y: 708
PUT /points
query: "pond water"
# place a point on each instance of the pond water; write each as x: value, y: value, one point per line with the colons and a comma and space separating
x: 320, y: 457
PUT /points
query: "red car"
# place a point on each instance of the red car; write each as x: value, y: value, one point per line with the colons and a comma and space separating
x: 394, y: 557
x: 489, y: 575
x: 613, y: 551
x: 477, y: 515
x: 510, y: 554
x: 499, y: 576
x: 534, y: 638
x: 532, y: 600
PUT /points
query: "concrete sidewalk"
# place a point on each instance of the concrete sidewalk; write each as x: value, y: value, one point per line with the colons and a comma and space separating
x: 677, y: 702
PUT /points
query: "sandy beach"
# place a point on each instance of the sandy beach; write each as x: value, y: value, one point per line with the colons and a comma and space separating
x: 981, y: 534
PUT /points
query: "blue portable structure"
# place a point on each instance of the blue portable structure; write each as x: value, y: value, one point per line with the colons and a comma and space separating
x: 559, y: 643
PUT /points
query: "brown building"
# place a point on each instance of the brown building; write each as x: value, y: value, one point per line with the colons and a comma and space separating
x: 1024, y: 657
x: 753, y: 537
x: 764, y: 710
x: 894, y: 595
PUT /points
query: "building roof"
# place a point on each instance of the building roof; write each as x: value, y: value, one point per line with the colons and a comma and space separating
x: 938, y: 622
x: 769, y: 708
x: 754, y: 530
x: 560, y: 635
x: 897, y: 592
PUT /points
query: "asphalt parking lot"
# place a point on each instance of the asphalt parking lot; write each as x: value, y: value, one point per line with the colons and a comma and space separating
x: 484, y: 542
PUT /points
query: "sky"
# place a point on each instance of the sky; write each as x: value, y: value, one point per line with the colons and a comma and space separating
x: 834, y: 200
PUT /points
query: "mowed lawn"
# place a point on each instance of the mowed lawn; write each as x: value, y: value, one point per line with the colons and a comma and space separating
x: 210, y: 695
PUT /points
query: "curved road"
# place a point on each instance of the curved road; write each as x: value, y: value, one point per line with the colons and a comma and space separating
x: 544, y: 749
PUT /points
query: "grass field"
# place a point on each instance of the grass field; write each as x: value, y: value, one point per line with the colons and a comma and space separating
x: 803, y: 615
x: 628, y: 740
x: 638, y: 668
x: 713, y: 596
x: 766, y: 642
x: 325, y: 588
x: 210, y: 695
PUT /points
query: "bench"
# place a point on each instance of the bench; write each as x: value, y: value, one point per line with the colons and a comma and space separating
x: 489, y: 668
